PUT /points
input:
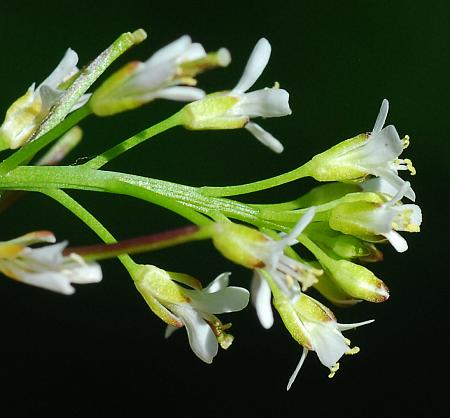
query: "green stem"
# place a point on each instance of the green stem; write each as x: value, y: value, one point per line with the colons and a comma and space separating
x: 321, y: 256
x: 87, y: 77
x: 256, y: 186
x: 89, y: 219
x: 164, y: 194
x: 181, y: 199
x: 131, y: 142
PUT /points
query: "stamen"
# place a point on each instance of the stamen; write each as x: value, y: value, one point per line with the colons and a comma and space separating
x: 333, y: 370
x: 410, y: 166
x: 405, y: 141
x: 353, y: 351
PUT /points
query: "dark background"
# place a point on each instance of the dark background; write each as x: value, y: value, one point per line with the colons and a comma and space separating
x: 101, y: 352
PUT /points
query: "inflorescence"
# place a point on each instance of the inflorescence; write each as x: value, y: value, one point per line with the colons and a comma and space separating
x: 342, y: 223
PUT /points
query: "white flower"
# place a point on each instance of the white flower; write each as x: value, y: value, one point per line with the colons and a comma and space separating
x: 374, y: 218
x: 394, y: 216
x: 284, y: 270
x: 328, y: 342
x: 198, y: 316
x: 314, y: 326
x: 373, y: 154
x: 234, y: 109
x: 26, y: 113
x: 46, y: 266
x: 195, y: 308
x: 381, y: 151
x: 161, y: 76
x: 266, y: 103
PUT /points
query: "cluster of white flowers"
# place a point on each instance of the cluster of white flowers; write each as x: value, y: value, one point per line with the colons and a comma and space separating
x: 339, y: 226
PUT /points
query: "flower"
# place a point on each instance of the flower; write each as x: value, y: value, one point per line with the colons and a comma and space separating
x: 314, y: 327
x: 365, y: 219
x: 366, y: 154
x: 161, y: 76
x: 234, y: 109
x: 193, y: 308
x: 46, y: 266
x: 263, y: 254
x: 328, y: 342
x: 25, y: 115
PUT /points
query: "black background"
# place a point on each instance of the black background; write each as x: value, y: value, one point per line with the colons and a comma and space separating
x: 101, y: 352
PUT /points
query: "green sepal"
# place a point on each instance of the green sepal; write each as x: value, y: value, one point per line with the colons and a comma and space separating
x: 210, y: 113
x: 333, y: 164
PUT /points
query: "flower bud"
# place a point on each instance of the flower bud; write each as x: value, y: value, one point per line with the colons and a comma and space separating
x: 240, y: 244
x: 332, y: 292
x: 358, y: 281
x: 345, y: 246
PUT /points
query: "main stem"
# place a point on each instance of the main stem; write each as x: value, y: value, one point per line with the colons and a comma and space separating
x: 181, y: 199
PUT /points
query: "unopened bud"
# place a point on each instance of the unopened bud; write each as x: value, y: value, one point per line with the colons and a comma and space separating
x: 358, y: 281
x: 240, y: 244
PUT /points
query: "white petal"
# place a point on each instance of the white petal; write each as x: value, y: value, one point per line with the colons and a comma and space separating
x: 383, y: 147
x: 394, y: 180
x: 223, y: 57
x: 49, y: 97
x: 180, y: 93
x: 261, y: 300
x: 65, y: 69
x: 345, y: 327
x: 231, y: 299
x: 49, y: 255
x: 378, y: 184
x: 416, y: 214
x: 81, y: 101
x: 255, y: 65
x: 264, y: 137
x: 171, y: 51
x: 194, y: 51
x: 57, y: 282
x: 305, y: 220
x: 329, y: 344
x: 84, y: 273
x: 297, y: 369
x: 397, y: 241
x: 169, y: 331
x: 201, y: 337
x: 219, y: 283
x: 266, y: 103
x: 381, y: 118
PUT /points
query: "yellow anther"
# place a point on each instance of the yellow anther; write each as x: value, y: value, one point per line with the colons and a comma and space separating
x: 276, y: 85
x: 410, y: 166
x: 405, y: 141
x: 353, y: 351
x: 412, y: 228
x: 347, y: 341
x: 289, y: 280
x: 333, y: 370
